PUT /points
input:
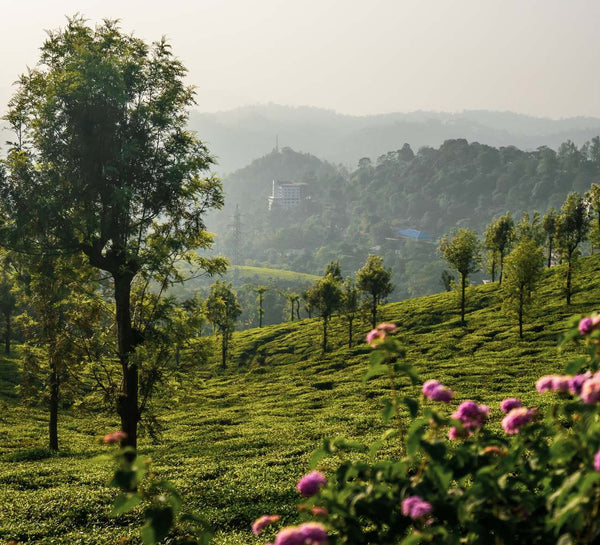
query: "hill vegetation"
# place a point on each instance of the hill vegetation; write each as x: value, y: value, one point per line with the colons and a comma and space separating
x: 235, y: 442
x: 352, y: 214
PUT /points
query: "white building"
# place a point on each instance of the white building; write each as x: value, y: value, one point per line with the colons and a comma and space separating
x: 286, y: 195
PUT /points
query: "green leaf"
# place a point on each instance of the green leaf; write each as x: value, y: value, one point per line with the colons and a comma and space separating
x: 574, y: 366
x: 413, y: 539
x: 125, y: 503
x: 375, y: 371
x: 414, y: 435
x: 412, y: 404
x: 388, y: 411
x: 148, y: 535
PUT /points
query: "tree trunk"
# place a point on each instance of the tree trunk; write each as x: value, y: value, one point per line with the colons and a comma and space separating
x: 569, y: 272
x: 549, y: 251
x: 224, y: 349
x: 127, y: 407
x: 53, y: 423
x: 324, y: 334
x: 501, y: 267
x: 350, y: 320
x: 494, y: 268
x: 374, y: 312
x: 521, y: 290
x: 260, y: 309
x: 463, y: 282
x: 292, y: 315
x: 7, y: 334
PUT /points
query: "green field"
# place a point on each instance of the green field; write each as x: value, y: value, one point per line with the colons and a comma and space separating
x: 236, y: 441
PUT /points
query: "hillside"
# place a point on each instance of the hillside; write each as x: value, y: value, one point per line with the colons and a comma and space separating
x: 238, y: 136
x: 236, y: 441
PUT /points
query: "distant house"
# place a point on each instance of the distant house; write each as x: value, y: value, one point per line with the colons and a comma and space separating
x: 286, y: 195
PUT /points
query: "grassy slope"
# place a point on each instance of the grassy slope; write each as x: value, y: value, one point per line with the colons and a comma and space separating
x: 238, y: 441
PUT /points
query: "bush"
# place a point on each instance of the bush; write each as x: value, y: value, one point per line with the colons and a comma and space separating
x: 452, y: 477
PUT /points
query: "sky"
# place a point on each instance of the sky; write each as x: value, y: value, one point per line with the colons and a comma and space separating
x: 358, y: 57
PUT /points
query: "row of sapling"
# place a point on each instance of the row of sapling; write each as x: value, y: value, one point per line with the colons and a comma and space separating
x: 562, y: 232
x: 332, y: 294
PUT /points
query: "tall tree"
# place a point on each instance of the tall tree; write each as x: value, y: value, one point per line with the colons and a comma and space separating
x: 376, y: 281
x: 104, y: 165
x: 524, y: 267
x: 222, y: 310
x: 571, y: 230
x: 325, y: 297
x: 499, y: 236
x: 530, y: 227
x: 462, y: 251
x: 7, y: 303
x: 260, y: 292
x: 592, y: 198
x: 350, y: 305
x: 549, y: 226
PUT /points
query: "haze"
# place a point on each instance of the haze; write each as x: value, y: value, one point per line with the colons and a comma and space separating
x: 538, y: 57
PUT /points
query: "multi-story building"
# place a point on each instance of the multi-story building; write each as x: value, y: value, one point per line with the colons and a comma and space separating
x: 286, y: 195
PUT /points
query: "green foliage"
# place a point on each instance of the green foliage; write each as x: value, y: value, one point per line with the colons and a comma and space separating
x: 499, y: 236
x: 326, y: 298
x: 375, y: 281
x: 222, y: 310
x: 524, y: 268
x: 462, y: 251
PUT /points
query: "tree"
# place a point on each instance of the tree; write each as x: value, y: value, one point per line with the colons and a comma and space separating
x: 549, y: 226
x: 101, y: 125
x: 62, y: 306
x: 571, y: 229
x: 462, y: 251
x: 325, y: 297
x: 524, y: 267
x: 499, y: 236
x: 350, y: 305
x: 260, y: 292
x: 376, y: 281
x: 222, y: 310
x: 531, y: 228
x: 7, y: 303
x: 592, y: 198
x: 334, y: 269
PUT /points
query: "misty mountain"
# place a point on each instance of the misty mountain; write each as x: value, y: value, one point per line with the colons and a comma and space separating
x: 236, y: 137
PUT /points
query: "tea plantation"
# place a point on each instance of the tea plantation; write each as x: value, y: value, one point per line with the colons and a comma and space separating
x: 235, y: 441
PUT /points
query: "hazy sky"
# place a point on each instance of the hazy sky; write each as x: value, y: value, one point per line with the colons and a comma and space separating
x: 540, y: 57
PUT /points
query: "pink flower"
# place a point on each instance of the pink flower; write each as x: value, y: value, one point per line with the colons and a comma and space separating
x: 114, y: 437
x: 576, y: 382
x: 586, y: 326
x: 436, y: 391
x: 590, y: 391
x: 314, y: 533
x: 290, y: 535
x: 310, y: 484
x: 262, y: 522
x: 597, y: 461
x: 415, y: 507
x: 389, y: 328
x: 516, y: 419
x: 471, y: 415
x: 544, y: 384
x: 510, y: 403
x: 454, y: 434
x: 319, y: 511
x: 375, y: 335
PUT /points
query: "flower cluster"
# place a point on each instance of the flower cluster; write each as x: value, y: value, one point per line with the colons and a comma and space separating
x: 310, y: 484
x: 585, y: 385
x: 415, y: 507
x: 509, y: 404
x: 114, y: 437
x: 516, y: 419
x: 379, y: 334
x: 589, y: 324
x: 309, y: 533
x: 436, y: 391
x: 262, y: 522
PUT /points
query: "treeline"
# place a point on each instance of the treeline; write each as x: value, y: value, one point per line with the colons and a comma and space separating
x: 353, y: 214
x: 518, y: 251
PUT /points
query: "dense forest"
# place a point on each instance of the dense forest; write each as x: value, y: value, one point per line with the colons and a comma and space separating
x: 352, y: 214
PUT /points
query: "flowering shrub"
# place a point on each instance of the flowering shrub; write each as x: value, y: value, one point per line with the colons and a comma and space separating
x: 458, y: 480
